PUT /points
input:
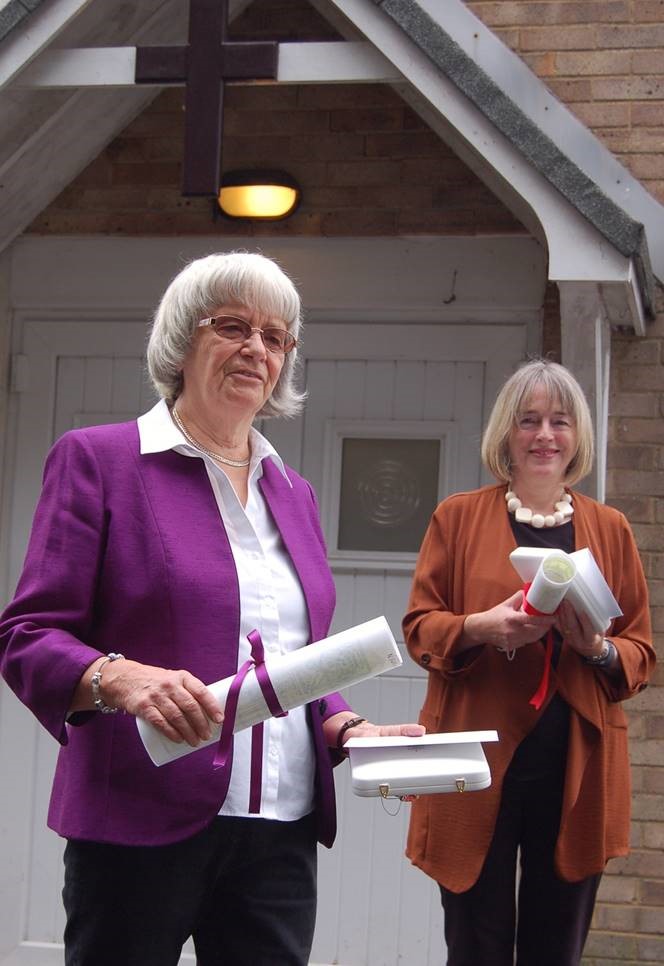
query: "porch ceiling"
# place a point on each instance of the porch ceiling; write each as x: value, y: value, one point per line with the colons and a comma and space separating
x: 596, y: 221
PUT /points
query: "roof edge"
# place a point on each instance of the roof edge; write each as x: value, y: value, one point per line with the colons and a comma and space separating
x: 627, y: 235
x: 13, y: 13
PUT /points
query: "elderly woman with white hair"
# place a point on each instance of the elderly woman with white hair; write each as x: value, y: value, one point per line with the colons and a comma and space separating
x: 157, y: 547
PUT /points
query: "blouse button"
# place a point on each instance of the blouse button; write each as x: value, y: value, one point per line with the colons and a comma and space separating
x: 425, y: 659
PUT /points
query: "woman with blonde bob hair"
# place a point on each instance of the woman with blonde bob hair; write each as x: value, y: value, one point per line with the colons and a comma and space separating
x: 558, y: 384
x: 551, y: 685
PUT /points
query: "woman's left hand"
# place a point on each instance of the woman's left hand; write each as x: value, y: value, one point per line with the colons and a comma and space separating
x: 578, y: 632
x: 365, y: 729
x: 369, y: 730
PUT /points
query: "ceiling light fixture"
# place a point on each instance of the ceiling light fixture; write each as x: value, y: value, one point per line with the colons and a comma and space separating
x: 262, y: 195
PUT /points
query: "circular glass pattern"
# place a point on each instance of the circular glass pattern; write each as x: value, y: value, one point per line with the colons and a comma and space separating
x: 389, y: 493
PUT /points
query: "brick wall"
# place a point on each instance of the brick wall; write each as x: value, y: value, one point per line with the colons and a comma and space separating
x: 369, y: 166
x: 366, y: 163
x: 605, y: 60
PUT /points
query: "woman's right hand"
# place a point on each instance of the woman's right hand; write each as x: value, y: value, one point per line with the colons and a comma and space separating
x: 506, y: 626
x: 175, y: 702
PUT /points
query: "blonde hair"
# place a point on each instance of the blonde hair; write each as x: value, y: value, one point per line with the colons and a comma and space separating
x: 560, y: 387
x: 200, y: 288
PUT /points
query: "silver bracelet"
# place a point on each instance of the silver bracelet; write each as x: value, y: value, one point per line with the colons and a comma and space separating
x: 95, y: 683
x: 605, y: 657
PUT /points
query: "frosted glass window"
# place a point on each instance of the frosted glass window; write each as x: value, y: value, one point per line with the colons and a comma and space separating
x: 389, y: 489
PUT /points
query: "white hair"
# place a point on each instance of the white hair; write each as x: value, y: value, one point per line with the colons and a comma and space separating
x: 196, y: 292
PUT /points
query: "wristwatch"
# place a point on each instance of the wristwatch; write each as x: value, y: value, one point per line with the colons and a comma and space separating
x: 604, y: 657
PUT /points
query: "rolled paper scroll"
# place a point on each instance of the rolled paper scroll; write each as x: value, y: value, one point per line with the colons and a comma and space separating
x: 587, y: 592
x: 297, y: 677
x: 551, y: 582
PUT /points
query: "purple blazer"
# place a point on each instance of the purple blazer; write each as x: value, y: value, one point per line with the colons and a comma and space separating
x: 128, y: 553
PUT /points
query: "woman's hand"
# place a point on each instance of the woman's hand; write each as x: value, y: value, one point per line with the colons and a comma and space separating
x: 365, y: 729
x: 506, y: 626
x: 175, y: 702
x: 578, y: 632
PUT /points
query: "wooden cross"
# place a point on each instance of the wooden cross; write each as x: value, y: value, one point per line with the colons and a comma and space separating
x: 204, y: 64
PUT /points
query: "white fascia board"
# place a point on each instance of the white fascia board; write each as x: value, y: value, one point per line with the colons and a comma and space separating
x: 577, y: 251
x: 531, y: 95
x: 24, y: 43
x: 299, y: 63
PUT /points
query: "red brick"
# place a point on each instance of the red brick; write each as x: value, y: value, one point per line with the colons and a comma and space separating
x: 279, y: 123
x: 654, y: 724
x: 406, y: 145
x: 634, y: 404
x: 630, y: 143
x: 542, y: 64
x: 570, y: 91
x: 359, y: 223
x: 582, y: 11
x: 651, y: 35
x: 647, y: 165
x: 603, y: 114
x: 262, y: 97
x: 616, y: 918
x: 647, y: 378
x: 328, y: 147
x: 595, y: 62
x: 608, y: 947
x: 339, y: 96
x: 640, y: 430
x: 653, y: 781
x: 648, y: 10
x: 627, y: 88
x: 152, y: 124
x: 652, y: 892
x: 632, y: 457
x: 376, y: 119
x: 641, y: 863
x: 654, y: 835
x: 648, y: 62
x: 242, y: 152
x: 636, y: 509
x: 359, y: 173
x: 650, y: 950
x: 618, y: 888
x: 646, y: 114
x: 553, y: 38
x: 147, y: 174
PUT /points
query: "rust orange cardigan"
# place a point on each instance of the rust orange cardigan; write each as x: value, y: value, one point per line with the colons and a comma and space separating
x: 463, y: 568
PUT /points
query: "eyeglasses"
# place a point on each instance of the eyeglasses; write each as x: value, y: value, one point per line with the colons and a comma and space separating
x: 232, y: 329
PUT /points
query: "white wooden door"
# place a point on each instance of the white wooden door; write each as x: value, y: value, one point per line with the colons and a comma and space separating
x: 75, y: 374
x: 374, y: 908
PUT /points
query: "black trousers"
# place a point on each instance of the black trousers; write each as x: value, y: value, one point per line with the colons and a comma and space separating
x: 244, y: 888
x: 548, y: 922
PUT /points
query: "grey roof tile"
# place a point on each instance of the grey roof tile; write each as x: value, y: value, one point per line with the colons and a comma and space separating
x: 10, y: 16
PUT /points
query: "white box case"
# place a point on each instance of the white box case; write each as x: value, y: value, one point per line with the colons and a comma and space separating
x: 429, y: 765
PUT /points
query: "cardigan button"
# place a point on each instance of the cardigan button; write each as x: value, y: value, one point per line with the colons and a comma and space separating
x: 425, y: 659
x: 322, y: 707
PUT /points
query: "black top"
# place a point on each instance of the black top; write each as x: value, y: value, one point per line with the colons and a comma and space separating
x: 544, y: 749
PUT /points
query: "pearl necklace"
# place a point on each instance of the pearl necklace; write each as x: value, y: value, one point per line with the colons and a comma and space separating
x: 197, y: 445
x: 563, y: 510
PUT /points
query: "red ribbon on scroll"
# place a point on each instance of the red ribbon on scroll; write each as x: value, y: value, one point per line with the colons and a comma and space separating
x: 540, y: 694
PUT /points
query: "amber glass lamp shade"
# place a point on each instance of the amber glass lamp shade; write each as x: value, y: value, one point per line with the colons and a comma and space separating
x: 260, y: 195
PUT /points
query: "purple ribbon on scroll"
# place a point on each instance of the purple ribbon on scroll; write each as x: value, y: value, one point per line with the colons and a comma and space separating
x: 223, y: 757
